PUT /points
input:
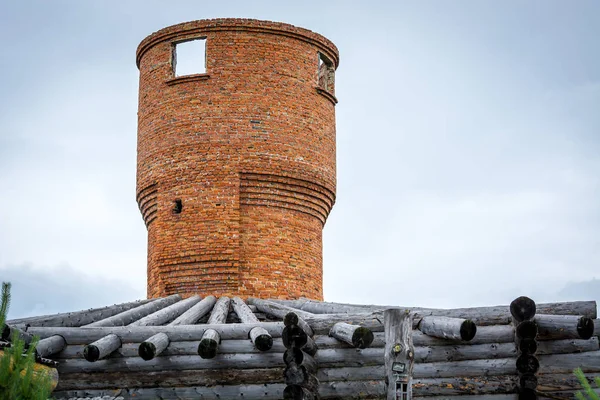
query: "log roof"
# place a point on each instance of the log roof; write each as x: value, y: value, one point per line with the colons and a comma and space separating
x: 229, y: 348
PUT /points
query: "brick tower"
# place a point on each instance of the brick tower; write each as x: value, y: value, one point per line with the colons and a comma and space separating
x: 236, y: 163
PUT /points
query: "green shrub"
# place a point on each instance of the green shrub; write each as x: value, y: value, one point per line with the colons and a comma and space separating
x: 590, y: 393
x: 17, y: 377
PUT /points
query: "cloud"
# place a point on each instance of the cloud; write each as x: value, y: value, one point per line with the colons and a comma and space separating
x: 38, y: 290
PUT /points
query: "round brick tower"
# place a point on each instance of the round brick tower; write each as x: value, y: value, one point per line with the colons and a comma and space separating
x: 236, y: 163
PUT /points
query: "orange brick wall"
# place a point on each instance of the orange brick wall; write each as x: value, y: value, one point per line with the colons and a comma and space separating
x: 248, y: 148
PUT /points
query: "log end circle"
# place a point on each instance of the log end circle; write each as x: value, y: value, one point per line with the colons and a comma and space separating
x: 91, y: 353
x: 362, y: 338
x: 585, y: 328
x: 522, y: 308
x: 527, y: 364
x: 263, y: 342
x: 468, y: 329
x: 147, y: 351
x: 527, y: 330
x: 208, y: 348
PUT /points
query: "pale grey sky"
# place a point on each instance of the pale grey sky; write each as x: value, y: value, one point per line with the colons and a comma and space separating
x: 468, y: 149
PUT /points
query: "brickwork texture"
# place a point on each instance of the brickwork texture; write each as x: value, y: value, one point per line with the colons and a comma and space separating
x: 236, y: 170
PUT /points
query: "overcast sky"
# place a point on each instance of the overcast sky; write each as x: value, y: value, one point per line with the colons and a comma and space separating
x: 468, y: 137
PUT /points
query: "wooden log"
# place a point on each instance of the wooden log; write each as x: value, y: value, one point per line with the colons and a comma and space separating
x: 294, y: 337
x: 527, y: 364
x: 527, y: 345
x: 265, y: 392
x: 198, y: 311
x: 564, y: 327
x: 448, y: 328
x: 453, y: 369
x: 129, y: 316
x: 562, y: 382
x: 565, y: 363
x: 174, y: 363
x: 168, y: 313
x: 399, y: 351
x: 10, y: 333
x: 480, y: 385
x: 169, y: 379
x: 355, y: 335
x: 297, y: 375
x: 209, y: 344
x: 526, y: 330
x: 301, y: 359
x: 480, y: 315
x: 292, y: 318
x: 567, y: 346
x: 528, y: 381
x: 465, y: 352
x: 153, y: 346
x: 277, y: 310
x: 78, y: 318
x: 49, y: 346
x: 527, y: 394
x: 522, y: 309
x: 137, y: 334
x: 101, y: 348
x: 296, y: 392
x: 259, y: 336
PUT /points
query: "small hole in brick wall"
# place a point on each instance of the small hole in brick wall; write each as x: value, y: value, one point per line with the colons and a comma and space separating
x: 325, y: 73
x: 177, y: 206
x: 189, y: 57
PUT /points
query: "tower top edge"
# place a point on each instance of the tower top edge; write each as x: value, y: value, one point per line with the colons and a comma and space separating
x: 187, y: 30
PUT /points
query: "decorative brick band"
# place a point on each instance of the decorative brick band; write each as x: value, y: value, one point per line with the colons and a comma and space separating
x: 146, y: 200
x: 285, y: 192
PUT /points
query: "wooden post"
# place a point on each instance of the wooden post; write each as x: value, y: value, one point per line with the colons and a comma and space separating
x: 399, y: 353
x: 207, y: 348
x: 101, y: 348
x: 153, y: 346
x: 354, y: 335
x: 259, y: 336
x: 448, y: 328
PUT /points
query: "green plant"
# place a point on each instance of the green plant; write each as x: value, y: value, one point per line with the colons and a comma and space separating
x: 590, y: 393
x: 19, y: 377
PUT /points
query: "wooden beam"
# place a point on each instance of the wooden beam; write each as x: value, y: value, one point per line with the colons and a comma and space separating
x: 168, y: 313
x: 209, y: 344
x: 49, y: 346
x: 275, y: 309
x: 78, y: 318
x: 448, y: 328
x: 198, y: 311
x: 564, y: 326
x: 259, y: 336
x: 137, y: 334
x: 522, y: 309
x: 294, y: 336
x: 101, y: 348
x: 399, y: 351
x: 153, y: 346
x: 129, y: 316
x: 354, y: 335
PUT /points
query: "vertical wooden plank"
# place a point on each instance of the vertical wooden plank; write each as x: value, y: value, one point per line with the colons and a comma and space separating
x: 399, y: 352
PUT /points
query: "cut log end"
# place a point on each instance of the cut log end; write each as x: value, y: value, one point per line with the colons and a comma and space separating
x: 91, y: 353
x: 208, y: 348
x: 295, y: 392
x: 263, y: 342
x: 468, y: 329
x: 527, y: 364
x: 293, y: 336
x: 147, y: 351
x: 528, y: 381
x: 527, y: 330
x: 527, y: 394
x: 362, y: 338
x: 5, y: 332
x: 528, y: 346
x: 522, y: 308
x: 290, y: 319
x: 585, y: 327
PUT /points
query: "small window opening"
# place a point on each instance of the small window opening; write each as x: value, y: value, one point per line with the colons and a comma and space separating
x: 189, y: 57
x: 177, y: 206
x: 326, y: 73
x: 402, y: 391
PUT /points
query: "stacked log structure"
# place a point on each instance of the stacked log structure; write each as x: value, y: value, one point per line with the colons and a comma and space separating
x: 523, y: 310
x: 350, y: 359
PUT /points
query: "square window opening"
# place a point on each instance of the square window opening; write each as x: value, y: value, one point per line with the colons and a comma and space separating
x: 326, y: 73
x: 189, y: 58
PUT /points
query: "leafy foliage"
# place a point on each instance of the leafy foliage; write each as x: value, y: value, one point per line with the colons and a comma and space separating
x: 589, y: 392
x: 18, y: 380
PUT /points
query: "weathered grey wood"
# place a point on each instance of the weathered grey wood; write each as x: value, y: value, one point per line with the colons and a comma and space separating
x: 137, y: 334
x: 78, y: 318
x: 49, y: 346
x: 294, y: 336
x: 209, y: 344
x: 354, y: 335
x: 399, y: 349
x: 321, y: 324
x: 278, y: 310
x: 167, y: 378
x: 219, y: 392
x: 153, y: 346
x: 562, y: 382
x: 292, y: 318
x: 480, y: 315
x: 527, y: 364
x: 476, y: 396
x: 129, y: 316
x: 522, y: 309
x: 527, y: 345
x: 10, y: 333
x: 567, y: 346
x: 301, y: 359
x: 465, y: 352
x: 175, y: 363
x: 478, y: 385
x: 298, y: 375
x: 259, y: 336
x: 453, y: 369
x: 295, y: 392
x: 448, y: 328
x: 168, y: 313
x: 101, y: 348
x: 596, y: 327
x: 565, y: 363
x: 528, y: 382
x: 198, y: 311
x: 564, y: 327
